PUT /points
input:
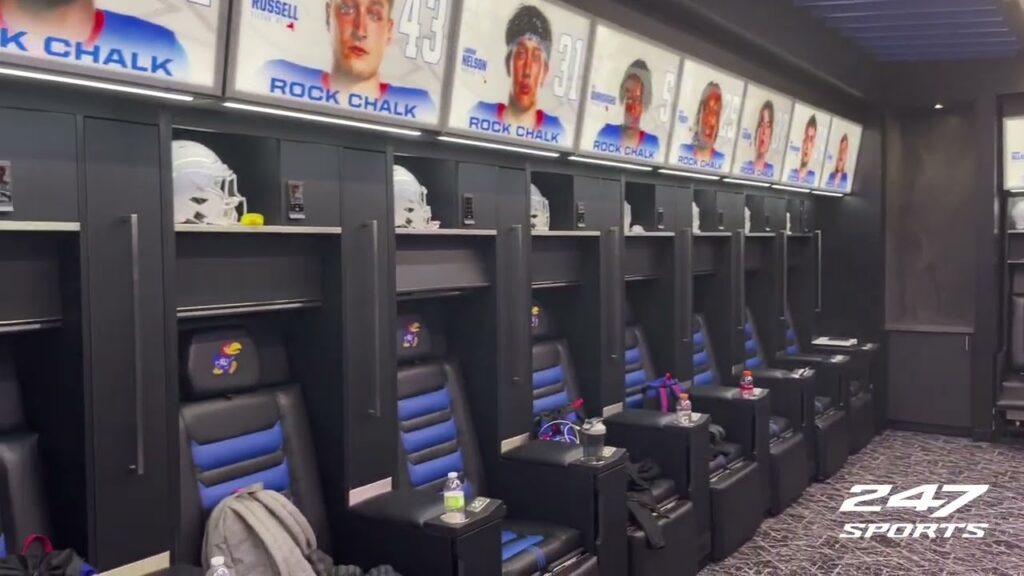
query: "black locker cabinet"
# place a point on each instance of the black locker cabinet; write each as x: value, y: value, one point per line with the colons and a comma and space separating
x: 124, y: 303
x: 720, y: 211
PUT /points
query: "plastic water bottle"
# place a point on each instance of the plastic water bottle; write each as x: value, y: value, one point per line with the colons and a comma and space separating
x: 217, y: 567
x: 684, y: 409
x: 747, y: 383
x: 454, y: 499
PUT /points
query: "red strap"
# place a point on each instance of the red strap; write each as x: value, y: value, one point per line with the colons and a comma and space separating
x: 47, y: 545
x: 663, y: 392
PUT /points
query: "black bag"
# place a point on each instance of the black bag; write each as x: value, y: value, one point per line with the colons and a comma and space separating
x: 643, y: 510
x: 38, y: 558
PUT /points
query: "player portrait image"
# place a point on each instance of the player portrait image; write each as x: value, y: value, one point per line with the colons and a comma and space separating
x: 707, y: 118
x: 765, y: 122
x: 631, y: 99
x: 520, y: 69
x: 841, y: 157
x: 141, y: 38
x: 376, y: 57
x: 805, y: 153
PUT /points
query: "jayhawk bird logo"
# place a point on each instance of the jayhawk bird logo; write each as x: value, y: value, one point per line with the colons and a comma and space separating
x: 411, y: 338
x: 227, y: 361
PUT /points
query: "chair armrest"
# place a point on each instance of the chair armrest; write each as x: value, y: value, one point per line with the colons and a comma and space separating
x: 552, y: 483
x: 404, y: 529
x: 791, y: 392
x: 658, y: 436
x: 744, y: 419
x: 423, y: 509
x: 832, y: 372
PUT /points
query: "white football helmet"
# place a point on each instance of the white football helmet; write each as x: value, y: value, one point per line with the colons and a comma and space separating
x: 696, y: 217
x: 540, y: 210
x: 205, y: 189
x: 746, y: 220
x: 627, y: 215
x: 411, y: 208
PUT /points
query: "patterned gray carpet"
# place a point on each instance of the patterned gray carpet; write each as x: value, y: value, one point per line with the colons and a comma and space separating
x: 805, y: 539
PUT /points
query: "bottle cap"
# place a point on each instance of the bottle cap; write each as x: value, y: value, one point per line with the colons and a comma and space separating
x: 217, y: 561
x: 748, y: 373
x: 684, y: 396
x: 453, y: 475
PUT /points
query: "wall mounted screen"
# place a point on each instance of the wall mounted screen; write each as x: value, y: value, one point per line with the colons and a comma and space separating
x: 841, y: 156
x: 630, y: 97
x: 763, y: 130
x: 805, y: 153
x: 519, y: 71
x: 155, y: 42
x: 382, y: 59
x: 707, y: 118
x: 1013, y: 153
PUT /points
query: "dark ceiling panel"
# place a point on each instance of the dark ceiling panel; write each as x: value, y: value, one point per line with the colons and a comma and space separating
x: 908, y: 30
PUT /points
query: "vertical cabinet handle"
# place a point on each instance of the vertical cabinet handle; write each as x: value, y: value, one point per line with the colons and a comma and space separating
x: 373, y: 227
x: 139, y: 466
x: 521, y: 321
x: 817, y: 242
x: 740, y: 268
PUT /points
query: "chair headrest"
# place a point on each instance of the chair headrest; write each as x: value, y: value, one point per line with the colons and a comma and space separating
x: 416, y: 340
x: 225, y: 361
x: 11, y: 415
x: 541, y: 325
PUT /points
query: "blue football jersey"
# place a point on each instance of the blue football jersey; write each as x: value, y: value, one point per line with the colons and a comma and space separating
x: 390, y: 99
x: 648, y: 148
x: 717, y: 161
x: 114, y: 30
x: 748, y: 170
x: 839, y: 183
x: 810, y: 177
x: 495, y: 112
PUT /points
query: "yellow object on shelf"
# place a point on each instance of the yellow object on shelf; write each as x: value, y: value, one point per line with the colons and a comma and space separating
x: 252, y: 219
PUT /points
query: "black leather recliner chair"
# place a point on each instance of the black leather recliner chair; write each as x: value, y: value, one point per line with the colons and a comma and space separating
x: 860, y: 392
x: 437, y: 437
x: 23, y: 509
x: 791, y: 394
x: 242, y: 422
x: 738, y: 463
x: 830, y: 428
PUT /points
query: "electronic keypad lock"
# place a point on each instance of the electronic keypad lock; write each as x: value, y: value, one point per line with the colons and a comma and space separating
x: 468, y: 214
x: 581, y: 215
x: 660, y: 221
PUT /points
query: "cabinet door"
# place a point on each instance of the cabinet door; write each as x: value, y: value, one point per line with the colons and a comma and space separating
x: 774, y: 214
x: 730, y: 209
x: 479, y: 185
x: 929, y: 380
x: 41, y: 149
x: 316, y: 168
x: 602, y: 201
x: 125, y: 311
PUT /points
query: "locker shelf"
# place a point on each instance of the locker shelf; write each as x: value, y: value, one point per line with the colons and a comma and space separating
x: 30, y: 226
x: 239, y: 229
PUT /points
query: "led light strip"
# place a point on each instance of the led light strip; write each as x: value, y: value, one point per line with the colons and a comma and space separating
x: 688, y: 174
x: 320, y: 118
x: 611, y: 163
x: 824, y: 193
x: 494, y: 146
x: 790, y: 188
x: 6, y: 71
x: 747, y: 182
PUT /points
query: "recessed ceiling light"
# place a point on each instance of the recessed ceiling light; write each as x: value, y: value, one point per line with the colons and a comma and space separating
x: 939, y: 106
